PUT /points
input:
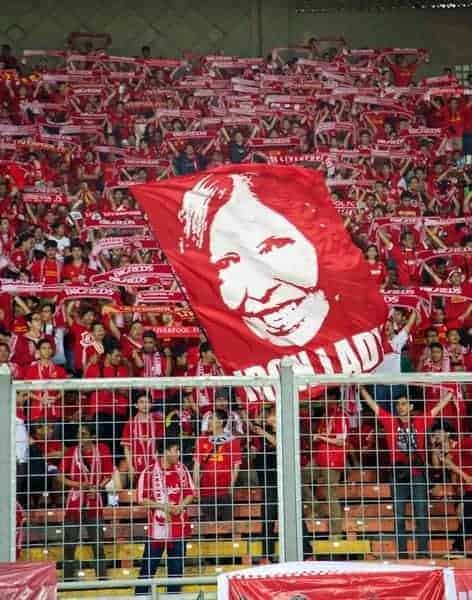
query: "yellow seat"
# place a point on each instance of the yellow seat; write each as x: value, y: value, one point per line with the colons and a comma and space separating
x: 93, y: 593
x: 341, y: 547
x: 194, y: 589
x: 123, y: 573
x: 220, y: 548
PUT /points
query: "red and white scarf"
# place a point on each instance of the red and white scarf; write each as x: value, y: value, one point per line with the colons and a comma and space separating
x: 161, y: 527
x: 206, y: 396
x: 78, y: 499
x: 152, y: 364
x: 143, y: 442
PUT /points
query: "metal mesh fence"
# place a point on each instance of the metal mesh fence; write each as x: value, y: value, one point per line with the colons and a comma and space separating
x: 183, y: 478
x: 386, y: 471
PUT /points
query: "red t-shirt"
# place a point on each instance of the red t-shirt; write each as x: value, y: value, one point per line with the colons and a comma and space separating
x: 402, y: 76
x: 48, y: 404
x: 46, y: 271
x: 48, y: 447
x: 406, y: 265
x: 406, y: 443
x: 89, y: 502
x: 217, y: 460
x: 19, y: 258
x: 141, y: 437
x: 105, y: 401
x: 176, y: 485
x: 77, y: 330
x: 77, y: 274
x: 377, y: 271
x: 335, y: 423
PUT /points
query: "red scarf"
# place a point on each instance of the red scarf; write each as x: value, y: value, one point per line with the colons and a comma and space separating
x: 206, y: 396
x: 47, y: 404
x: 152, y: 364
x: 78, y: 499
x: 143, y: 442
x: 42, y: 271
x: 166, y: 486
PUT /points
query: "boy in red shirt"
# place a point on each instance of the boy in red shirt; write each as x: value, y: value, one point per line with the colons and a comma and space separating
x: 405, y: 436
x: 85, y: 471
x: 47, y: 269
x: 166, y: 489
x: 217, y: 460
x: 79, y: 329
x: 141, y: 435
x: 404, y: 257
x: 45, y: 405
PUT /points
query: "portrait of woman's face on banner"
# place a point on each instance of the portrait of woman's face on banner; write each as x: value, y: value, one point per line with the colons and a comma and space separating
x: 268, y: 267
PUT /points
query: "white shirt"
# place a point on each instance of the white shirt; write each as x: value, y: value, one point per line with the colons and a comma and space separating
x: 21, y: 441
x: 62, y: 243
x: 392, y: 360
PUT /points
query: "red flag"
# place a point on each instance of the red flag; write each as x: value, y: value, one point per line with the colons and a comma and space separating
x: 269, y: 268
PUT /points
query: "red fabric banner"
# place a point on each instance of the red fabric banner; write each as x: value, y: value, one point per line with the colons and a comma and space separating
x: 268, y: 268
x: 463, y: 578
x: 177, y: 332
x: 32, y: 580
x: 135, y: 275
x: 345, y: 583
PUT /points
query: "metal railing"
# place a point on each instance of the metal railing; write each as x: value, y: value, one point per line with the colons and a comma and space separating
x: 297, y: 527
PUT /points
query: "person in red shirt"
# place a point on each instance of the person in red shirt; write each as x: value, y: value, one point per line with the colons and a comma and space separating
x: 436, y: 361
x: 109, y: 408
x: 47, y: 269
x: 402, y: 70
x: 206, y: 365
x: 404, y: 257
x: 217, y: 460
x: 5, y: 360
x: 405, y: 435
x: 85, y: 471
x: 180, y: 364
x: 141, y: 435
x: 76, y: 269
x: 132, y: 343
x: 328, y: 458
x: 20, y: 258
x: 45, y: 405
x: 93, y: 351
x: 79, y: 329
x: 24, y: 347
x: 455, y: 457
x: 166, y: 489
x: 151, y: 362
x: 377, y: 269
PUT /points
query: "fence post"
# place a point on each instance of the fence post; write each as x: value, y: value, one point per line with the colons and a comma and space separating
x: 288, y: 467
x: 7, y: 469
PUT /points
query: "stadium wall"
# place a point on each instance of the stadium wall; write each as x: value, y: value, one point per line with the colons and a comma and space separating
x: 244, y: 27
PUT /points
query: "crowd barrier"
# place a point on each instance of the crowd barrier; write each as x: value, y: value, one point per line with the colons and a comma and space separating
x: 285, y: 504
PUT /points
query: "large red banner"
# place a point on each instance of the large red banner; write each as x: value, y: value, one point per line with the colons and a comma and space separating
x: 355, y: 586
x: 28, y: 581
x: 463, y: 580
x: 268, y: 268
x: 348, y: 581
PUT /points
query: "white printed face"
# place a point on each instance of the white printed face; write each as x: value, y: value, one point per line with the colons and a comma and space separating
x: 267, y: 269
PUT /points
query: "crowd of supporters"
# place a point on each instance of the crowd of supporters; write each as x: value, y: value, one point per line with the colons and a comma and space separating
x: 87, y: 293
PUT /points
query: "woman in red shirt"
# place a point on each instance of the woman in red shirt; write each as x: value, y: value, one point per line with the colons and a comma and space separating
x: 329, y: 454
x: 377, y: 268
